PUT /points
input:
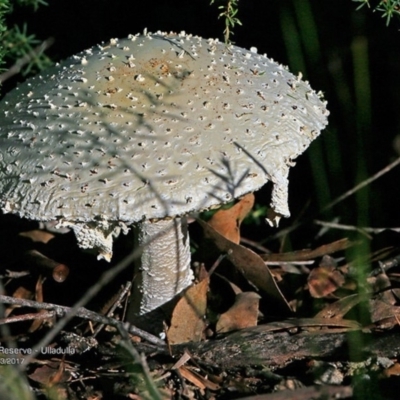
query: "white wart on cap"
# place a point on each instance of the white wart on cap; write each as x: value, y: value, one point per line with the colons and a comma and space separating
x: 151, y: 127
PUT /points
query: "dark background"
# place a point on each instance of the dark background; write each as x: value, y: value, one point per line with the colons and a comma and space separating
x: 350, y: 55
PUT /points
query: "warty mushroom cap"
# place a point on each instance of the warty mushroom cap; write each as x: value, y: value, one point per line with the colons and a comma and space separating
x: 149, y: 127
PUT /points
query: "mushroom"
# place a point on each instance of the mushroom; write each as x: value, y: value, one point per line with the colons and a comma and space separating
x: 145, y: 130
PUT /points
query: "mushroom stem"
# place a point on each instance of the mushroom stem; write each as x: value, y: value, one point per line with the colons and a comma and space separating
x: 163, y: 270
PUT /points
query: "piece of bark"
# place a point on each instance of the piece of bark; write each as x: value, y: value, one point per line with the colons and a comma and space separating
x: 255, y: 347
x: 258, y: 346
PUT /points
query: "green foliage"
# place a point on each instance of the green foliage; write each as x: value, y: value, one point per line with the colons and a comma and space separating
x: 4, y: 9
x: 306, y: 52
x: 13, y: 384
x: 257, y: 215
x: 32, y: 3
x: 388, y: 8
x: 141, y: 377
x: 18, y: 45
x: 229, y: 12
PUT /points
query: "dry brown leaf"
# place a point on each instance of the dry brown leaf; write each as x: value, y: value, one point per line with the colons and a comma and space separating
x: 381, y: 285
x: 39, y: 289
x: 97, y: 395
x: 394, y: 370
x: 38, y: 235
x: 385, y: 315
x: 50, y: 373
x: 227, y: 222
x: 341, y: 307
x: 243, y: 313
x: 20, y: 293
x: 251, y: 266
x: 396, y: 293
x: 187, y: 322
x: 235, y: 288
x: 37, y: 323
x: 200, y: 272
x: 325, y: 279
x: 59, y: 375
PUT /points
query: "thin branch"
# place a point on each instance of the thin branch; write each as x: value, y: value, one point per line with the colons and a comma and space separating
x: 255, y: 245
x: 124, y: 292
x: 216, y: 264
x: 350, y: 192
x: 363, y: 184
x: 278, y: 263
x: 27, y: 317
x: 343, y: 227
x: 141, y: 360
x: 387, y: 265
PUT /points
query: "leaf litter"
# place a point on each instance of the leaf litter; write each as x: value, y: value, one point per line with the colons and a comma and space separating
x: 248, y: 319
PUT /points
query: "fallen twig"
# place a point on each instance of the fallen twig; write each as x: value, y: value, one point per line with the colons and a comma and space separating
x: 293, y: 262
x: 305, y: 255
x: 27, y: 317
x: 342, y: 197
x: 116, y: 304
x: 343, y: 227
x: 58, y: 271
x: 254, y: 244
x: 84, y: 313
x: 261, y: 346
x: 362, y: 184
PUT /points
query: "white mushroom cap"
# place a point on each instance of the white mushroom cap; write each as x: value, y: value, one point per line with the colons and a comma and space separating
x: 150, y: 127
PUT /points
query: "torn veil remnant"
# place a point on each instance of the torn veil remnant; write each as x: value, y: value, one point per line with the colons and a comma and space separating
x: 147, y: 128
